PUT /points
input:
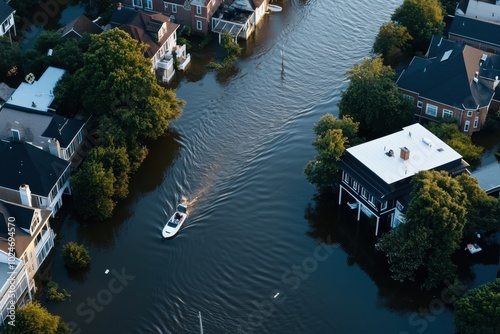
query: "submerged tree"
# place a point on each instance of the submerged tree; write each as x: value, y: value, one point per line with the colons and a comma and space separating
x: 372, y: 98
x: 333, y: 136
x: 392, y: 43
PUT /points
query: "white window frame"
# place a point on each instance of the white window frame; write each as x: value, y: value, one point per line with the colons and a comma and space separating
x: 165, y: 6
x: 371, y: 200
x: 399, y: 206
x: 14, y: 131
x: 431, y: 113
x: 466, y: 126
x: 198, y: 10
x: 383, y: 206
x: 137, y: 3
x: 345, y: 177
x: 420, y: 104
x: 149, y: 4
x: 364, y: 193
x: 354, y: 185
x: 174, y: 8
x: 469, y: 113
x: 447, y: 113
x: 199, y: 25
x: 476, y: 122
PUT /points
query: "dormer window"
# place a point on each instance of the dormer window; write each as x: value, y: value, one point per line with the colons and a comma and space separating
x: 15, y: 134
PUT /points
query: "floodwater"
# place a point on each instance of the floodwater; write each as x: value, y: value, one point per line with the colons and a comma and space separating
x: 259, y: 252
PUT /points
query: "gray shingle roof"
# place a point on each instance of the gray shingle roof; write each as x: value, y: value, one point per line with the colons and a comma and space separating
x: 447, y: 76
x: 5, y: 11
x: 475, y: 29
x: 23, y: 163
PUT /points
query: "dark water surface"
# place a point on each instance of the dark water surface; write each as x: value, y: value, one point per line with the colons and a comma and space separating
x: 258, y: 252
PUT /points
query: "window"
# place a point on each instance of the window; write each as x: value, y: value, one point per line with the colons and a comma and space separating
x: 467, y: 125
x: 345, y: 177
x: 5, y: 25
x: 166, y: 5
x: 431, y: 110
x: 371, y: 199
x: 384, y: 205
x: 149, y: 4
x: 447, y: 113
x: 476, y: 122
x: 399, y: 206
x: 138, y: 3
x: 420, y: 104
x: 174, y: 8
x: 354, y: 185
x: 469, y: 113
x: 198, y: 9
x: 15, y: 134
x: 363, y: 192
x: 199, y: 26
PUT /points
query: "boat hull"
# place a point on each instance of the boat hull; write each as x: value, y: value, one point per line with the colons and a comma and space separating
x: 175, y: 222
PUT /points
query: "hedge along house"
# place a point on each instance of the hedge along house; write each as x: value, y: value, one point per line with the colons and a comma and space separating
x: 33, y: 239
x: 454, y: 81
x: 32, y: 177
x: 376, y: 175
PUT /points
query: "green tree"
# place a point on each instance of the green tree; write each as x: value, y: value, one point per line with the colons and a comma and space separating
x: 422, y: 19
x: 391, y: 42
x: 483, y: 211
x: 93, y: 187
x: 35, y: 319
x: 75, y: 256
x: 372, y: 98
x: 460, y: 142
x: 10, y: 58
x: 434, y: 222
x: 478, y: 311
x: 333, y: 136
x: 53, y: 293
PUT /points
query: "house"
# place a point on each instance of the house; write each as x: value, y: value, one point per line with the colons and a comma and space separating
x: 376, y: 175
x: 7, y: 19
x: 455, y: 81
x: 479, y: 9
x: 488, y: 178
x: 58, y: 135
x: 15, y: 290
x: 33, y: 239
x: 79, y: 26
x: 36, y: 95
x: 478, y: 33
x: 37, y: 124
x: 239, y: 17
x: 32, y: 177
x: 158, y: 33
x: 5, y: 93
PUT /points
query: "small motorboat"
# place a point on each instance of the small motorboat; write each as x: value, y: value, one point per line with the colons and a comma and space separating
x: 275, y: 8
x: 175, y: 222
x: 473, y: 248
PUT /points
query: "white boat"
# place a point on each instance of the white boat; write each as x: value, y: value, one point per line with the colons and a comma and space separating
x: 473, y: 248
x: 175, y: 222
x: 275, y: 8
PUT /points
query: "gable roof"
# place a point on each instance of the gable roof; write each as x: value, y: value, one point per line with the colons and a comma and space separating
x: 5, y: 91
x: 23, y: 163
x: 476, y: 29
x: 143, y: 27
x: 82, y: 24
x: 5, y: 11
x: 63, y: 129
x: 446, y: 76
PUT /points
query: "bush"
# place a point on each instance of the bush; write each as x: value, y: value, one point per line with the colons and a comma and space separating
x: 55, y: 295
x: 76, y: 256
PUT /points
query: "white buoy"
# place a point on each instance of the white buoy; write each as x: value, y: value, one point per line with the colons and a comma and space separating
x: 107, y: 271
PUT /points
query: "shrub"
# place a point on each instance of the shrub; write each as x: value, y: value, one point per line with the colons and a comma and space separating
x: 55, y: 295
x: 76, y: 256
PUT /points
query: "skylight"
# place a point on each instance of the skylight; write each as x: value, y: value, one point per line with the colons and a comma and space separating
x: 446, y: 55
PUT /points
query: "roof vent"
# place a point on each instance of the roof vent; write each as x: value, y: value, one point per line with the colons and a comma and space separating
x: 484, y: 56
x: 427, y: 141
x: 390, y: 153
x: 440, y: 149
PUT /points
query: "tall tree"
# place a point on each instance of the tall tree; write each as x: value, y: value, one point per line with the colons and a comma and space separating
x: 478, y: 311
x: 10, y: 58
x: 392, y: 43
x: 422, y: 19
x: 333, y: 136
x: 35, y: 319
x: 433, y: 229
x: 372, y: 98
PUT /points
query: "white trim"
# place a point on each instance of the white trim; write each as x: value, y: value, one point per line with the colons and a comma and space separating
x: 429, y: 112
x: 466, y: 126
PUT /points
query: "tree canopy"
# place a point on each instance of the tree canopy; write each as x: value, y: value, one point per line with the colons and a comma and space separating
x: 10, y: 58
x: 478, y: 311
x: 35, y: 319
x: 422, y: 19
x: 434, y: 222
x: 391, y: 42
x: 372, y: 98
x: 333, y: 136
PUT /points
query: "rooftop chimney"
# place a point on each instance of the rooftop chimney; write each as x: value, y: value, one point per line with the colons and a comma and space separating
x: 405, y: 153
x: 25, y: 192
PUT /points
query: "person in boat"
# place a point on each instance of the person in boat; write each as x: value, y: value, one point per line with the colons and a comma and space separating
x: 178, y: 215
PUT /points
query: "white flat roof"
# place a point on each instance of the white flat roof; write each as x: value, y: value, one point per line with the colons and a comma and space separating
x: 40, y: 94
x: 426, y: 152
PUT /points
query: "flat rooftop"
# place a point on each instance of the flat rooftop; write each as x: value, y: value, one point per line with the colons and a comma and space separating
x: 39, y: 94
x: 426, y: 152
x: 488, y: 177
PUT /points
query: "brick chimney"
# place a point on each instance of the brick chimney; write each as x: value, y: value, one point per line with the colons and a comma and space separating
x: 405, y: 153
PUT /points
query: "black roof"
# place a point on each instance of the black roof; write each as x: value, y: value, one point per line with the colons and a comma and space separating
x: 475, y: 29
x: 447, y: 76
x: 5, y: 11
x: 23, y: 216
x: 23, y: 163
x: 63, y: 129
